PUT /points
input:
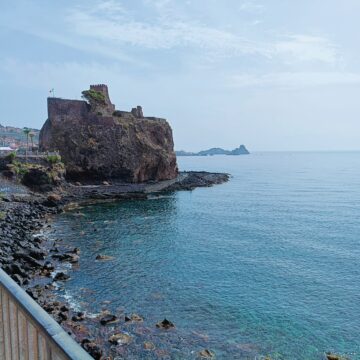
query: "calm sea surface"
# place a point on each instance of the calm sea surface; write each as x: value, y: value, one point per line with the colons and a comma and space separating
x: 267, y: 264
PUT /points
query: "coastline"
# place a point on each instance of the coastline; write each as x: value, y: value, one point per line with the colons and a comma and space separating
x: 33, y: 260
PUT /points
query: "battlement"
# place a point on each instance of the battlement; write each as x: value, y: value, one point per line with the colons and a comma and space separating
x: 60, y: 109
x: 99, y: 87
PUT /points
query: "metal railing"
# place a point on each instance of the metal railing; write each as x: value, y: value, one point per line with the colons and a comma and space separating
x: 28, y: 332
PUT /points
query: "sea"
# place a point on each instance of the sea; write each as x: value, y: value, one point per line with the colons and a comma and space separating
x: 266, y: 265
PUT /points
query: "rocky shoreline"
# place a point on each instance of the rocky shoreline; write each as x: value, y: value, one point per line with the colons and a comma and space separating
x: 33, y: 260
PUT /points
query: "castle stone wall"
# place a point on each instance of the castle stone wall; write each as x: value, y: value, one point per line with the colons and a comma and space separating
x: 61, y: 108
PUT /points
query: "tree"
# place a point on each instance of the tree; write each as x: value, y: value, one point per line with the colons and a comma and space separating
x: 31, y: 134
x: 96, y: 99
x: 26, y: 132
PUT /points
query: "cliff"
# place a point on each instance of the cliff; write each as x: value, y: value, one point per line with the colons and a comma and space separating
x: 108, y: 144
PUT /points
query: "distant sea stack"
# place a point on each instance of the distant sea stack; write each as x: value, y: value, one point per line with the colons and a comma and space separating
x: 96, y: 141
x: 241, y: 150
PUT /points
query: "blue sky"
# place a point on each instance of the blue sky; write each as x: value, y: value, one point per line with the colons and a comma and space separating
x: 274, y: 75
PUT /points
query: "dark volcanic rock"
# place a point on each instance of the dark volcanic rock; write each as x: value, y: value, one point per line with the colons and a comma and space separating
x: 194, y: 179
x: 206, y: 354
x: 93, y: 349
x: 108, y: 319
x: 80, y: 316
x: 134, y: 318
x: 165, y: 324
x: 36, y: 177
x: 94, y: 146
x: 61, y: 277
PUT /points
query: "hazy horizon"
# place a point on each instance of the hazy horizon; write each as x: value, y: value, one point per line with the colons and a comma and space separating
x: 271, y: 75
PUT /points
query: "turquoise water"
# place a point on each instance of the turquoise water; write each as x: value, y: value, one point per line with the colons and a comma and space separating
x: 267, y: 264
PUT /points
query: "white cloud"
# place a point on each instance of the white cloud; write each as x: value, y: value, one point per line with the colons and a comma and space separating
x: 307, y: 48
x: 161, y: 35
x: 113, y: 26
x: 252, y: 6
x: 292, y: 80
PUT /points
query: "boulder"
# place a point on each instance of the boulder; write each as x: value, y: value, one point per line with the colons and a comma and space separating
x: 108, y: 319
x: 72, y: 258
x: 92, y: 348
x: 165, y: 324
x: 120, y: 339
x: 54, y: 198
x: 80, y: 316
x: 134, y: 318
x: 60, y: 276
x: 206, y: 354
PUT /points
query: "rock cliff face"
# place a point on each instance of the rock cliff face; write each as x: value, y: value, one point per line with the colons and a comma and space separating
x: 119, y: 146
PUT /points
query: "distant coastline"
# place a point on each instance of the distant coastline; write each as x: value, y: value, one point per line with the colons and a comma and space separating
x: 241, y: 150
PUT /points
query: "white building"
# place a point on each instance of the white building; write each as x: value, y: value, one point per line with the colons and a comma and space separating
x: 4, y: 150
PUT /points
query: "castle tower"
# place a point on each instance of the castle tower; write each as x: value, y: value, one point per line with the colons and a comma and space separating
x: 104, y: 90
x: 137, y: 112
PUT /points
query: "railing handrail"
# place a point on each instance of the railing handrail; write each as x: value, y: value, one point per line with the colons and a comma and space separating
x: 43, y: 320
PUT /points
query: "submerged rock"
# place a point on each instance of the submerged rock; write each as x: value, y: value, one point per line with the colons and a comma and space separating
x: 148, y: 345
x: 330, y: 356
x: 70, y: 257
x: 207, y: 354
x: 120, y: 339
x: 104, y: 257
x: 165, y: 324
x: 133, y: 317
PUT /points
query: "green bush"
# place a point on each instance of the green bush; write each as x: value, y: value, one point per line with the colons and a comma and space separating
x: 2, y: 215
x: 94, y: 96
x: 11, y: 157
x: 53, y: 159
x: 22, y: 171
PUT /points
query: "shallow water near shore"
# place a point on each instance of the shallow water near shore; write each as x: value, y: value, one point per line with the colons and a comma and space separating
x: 267, y: 264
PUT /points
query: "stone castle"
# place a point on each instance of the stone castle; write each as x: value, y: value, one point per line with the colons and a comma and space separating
x: 97, y: 141
x: 58, y: 107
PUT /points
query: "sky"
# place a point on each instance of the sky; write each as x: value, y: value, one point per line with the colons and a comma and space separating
x: 275, y: 75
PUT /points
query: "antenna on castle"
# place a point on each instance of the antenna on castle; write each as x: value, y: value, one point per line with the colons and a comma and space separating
x: 52, y: 91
